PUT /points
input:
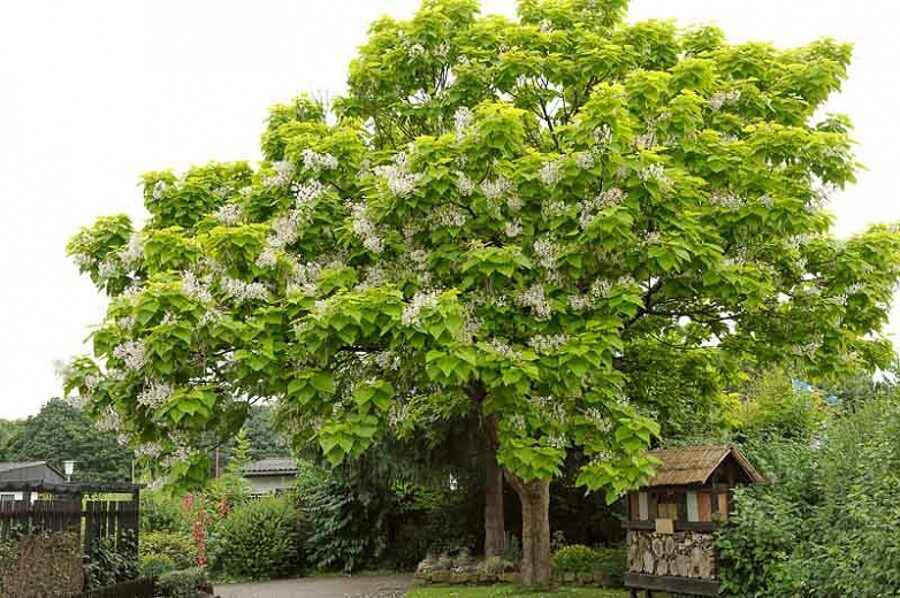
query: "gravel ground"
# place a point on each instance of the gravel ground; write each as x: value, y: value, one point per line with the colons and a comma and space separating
x: 389, y: 586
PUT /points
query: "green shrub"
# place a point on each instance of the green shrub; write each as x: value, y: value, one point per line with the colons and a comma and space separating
x: 259, y: 539
x: 162, y: 512
x: 825, y: 523
x: 347, y: 516
x: 155, y: 565
x: 111, y: 561
x: 178, y: 547
x: 182, y: 584
x: 611, y: 560
x: 576, y: 558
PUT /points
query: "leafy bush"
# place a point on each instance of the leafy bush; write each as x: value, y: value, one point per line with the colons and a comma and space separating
x: 182, y: 584
x: 162, y: 512
x: 153, y: 565
x: 259, y: 539
x: 576, y: 558
x: 111, y: 562
x: 346, y: 512
x: 178, y: 547
x: 611, y: 560
x: 824, y: 525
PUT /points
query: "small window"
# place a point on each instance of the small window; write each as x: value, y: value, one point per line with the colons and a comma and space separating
x: 693, y: 512
x: 7, y: 497
x: 643, y: 507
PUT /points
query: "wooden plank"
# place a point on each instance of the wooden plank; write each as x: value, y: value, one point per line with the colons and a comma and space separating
x: 704, y: 506
x: 643, y: 507
x: 668, y: 583
x: 723, y: 507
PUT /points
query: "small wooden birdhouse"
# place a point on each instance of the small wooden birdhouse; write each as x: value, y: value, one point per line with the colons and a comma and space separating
x: 671, y: 520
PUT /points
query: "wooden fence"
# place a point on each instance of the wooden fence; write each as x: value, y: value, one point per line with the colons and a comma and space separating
x: 91, y: 520
x: 144, y: 587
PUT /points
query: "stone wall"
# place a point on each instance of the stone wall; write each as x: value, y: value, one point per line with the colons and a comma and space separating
x: 683, y: 554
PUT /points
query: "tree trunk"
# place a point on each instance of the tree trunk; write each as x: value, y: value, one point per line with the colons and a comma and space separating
x: 494, y: 528
x: 535, y: 498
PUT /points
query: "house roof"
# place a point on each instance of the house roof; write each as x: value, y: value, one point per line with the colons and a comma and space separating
x: 15, y: 465
x: 695, y: 464
x: 273, y: 466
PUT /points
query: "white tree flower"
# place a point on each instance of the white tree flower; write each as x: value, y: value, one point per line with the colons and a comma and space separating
x: 412, y: 312
x: 110, y: 421
x: 365, y: 229
x: 558, y: 441
x: 83, y: 260
x: 581, y: 302
x: 533, y: 298
x: 720, y: 98
x: 400, y: 181
x: 497, y: 189
x: 316, y: 162
x: 513, y: 229
x: 133, y: 353
x: 584, y: 160
x: 450, y: 217
x: 501, y: 348
x: 602, y: 136
x: 551, y: 172
x: 133, y: 252
x: 462, y: 120
x: 646, y: 140
x: 655, y: 172
x: 284, y: 171
x: 554, y: 209
x: 159, y: 190
x: 194, y: 288
x: 546, y: 251
x: 155, y: 394
x: 149, y: 450
x: 268, y: 257
x: 228, y: 214
x: 545, y: 344
x: 107, y: 269
x: 241, y: 291
x: 726, y: 200
x: 464, y: 184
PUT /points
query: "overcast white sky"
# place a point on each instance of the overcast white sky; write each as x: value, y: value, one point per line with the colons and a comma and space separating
x: 93, y: 93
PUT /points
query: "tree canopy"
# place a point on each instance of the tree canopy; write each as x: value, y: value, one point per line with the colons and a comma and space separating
x: 61, y: 432
x: 572, y: 225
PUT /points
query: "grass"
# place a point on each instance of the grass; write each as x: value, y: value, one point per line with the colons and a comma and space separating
x: 511, y: 591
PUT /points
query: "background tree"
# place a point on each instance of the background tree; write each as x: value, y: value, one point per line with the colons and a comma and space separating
x: 61, y: 432
x: 9, y: 432
x: 525, y: 220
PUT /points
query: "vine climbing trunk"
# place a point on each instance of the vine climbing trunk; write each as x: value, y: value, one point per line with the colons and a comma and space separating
x: 494, y: 528
x: 535, y: 499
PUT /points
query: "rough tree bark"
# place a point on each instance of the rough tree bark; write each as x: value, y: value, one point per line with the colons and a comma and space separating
x: 535, y: 498
x: 494, y: 526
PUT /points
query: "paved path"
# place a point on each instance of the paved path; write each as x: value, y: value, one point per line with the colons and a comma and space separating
x: 363, y: 586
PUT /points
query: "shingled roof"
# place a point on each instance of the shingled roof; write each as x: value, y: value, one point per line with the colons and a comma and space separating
x: 272, y: 466
x: 695, y: 464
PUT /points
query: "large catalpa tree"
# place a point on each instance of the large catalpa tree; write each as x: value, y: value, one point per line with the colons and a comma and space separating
x: 547, y: 221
